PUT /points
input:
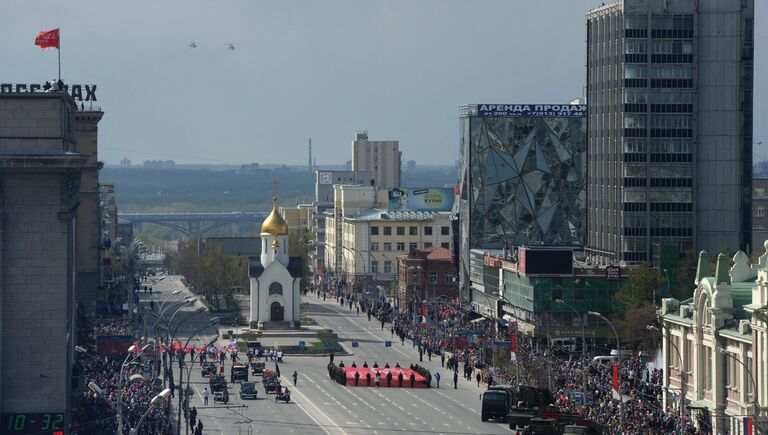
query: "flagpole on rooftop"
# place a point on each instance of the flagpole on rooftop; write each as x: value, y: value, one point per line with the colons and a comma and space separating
x: 59, y: 50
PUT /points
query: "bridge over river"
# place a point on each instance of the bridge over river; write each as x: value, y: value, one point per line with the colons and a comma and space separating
x: 194, y: 224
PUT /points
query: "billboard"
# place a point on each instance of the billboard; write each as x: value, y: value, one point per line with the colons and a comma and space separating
x: 421, y: 199
x: 542, y: 110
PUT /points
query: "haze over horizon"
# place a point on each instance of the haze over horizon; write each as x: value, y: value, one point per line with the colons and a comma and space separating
x: 399, y: 69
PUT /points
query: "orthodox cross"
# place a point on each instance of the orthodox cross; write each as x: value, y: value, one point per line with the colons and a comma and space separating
x: 274, y: 189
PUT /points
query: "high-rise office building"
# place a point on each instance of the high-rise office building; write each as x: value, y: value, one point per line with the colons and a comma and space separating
x: 382, y: 157
x: 670, y: 127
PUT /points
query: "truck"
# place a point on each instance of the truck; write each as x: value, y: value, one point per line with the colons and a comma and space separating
x: 239, y: 373
x: 530, y: 402
x: 218, y: 383
x: 550, y: 420
x: 496, y: 402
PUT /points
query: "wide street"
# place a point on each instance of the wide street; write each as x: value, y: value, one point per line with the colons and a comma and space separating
x: 320, y: 406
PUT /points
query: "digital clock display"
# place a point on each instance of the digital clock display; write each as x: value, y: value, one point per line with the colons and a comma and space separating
x: 42, y: 423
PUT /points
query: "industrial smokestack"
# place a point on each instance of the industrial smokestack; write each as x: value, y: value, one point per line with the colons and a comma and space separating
x: 309, y: 162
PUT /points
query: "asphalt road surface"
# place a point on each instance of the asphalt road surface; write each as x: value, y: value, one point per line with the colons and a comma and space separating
x: 321, y: 406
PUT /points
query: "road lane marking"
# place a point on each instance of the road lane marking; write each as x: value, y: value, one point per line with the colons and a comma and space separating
x: 296, y: 391
x: 368, y: 332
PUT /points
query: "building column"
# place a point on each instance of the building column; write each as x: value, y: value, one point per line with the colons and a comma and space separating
x: 720, y: 422
x: 254, y: 311
x: 2, y: 275
x: 665, y: 358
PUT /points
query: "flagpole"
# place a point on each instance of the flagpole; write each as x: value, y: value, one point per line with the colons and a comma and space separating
x: 59, y: 49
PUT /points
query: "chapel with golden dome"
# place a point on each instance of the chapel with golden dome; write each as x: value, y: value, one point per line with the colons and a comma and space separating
x: 275, y: 278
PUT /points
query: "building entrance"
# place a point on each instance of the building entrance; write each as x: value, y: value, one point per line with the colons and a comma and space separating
x: 276, y: 312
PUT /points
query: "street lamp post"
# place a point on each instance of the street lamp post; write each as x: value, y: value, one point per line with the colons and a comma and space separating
x: 755, y: 401
x: 618, y: 351
x: 182, y: 391
x: 355, y: 251
x: 583, y: 354
x: 156, y: 401
x: 683, y: 378
x: 132, y: 357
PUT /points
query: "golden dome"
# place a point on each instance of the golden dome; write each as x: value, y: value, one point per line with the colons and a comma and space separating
x: 274, y: 224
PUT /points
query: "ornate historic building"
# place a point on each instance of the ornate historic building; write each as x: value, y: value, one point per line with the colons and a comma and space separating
x: 715, y: 346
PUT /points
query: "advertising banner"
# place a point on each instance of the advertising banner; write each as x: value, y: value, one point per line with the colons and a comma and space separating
x: 422, y: 199
x: 545, y: 110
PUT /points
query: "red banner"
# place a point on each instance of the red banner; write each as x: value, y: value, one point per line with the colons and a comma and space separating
x: 513, y: 342
x: 175, y: 346
x: 49, y: 39
x: 616, y: 377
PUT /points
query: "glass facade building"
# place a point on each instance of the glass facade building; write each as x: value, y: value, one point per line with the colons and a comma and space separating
x: 522, y: 176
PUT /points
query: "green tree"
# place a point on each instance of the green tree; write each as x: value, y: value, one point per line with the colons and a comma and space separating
x: 213, y: 272
x: 632, y: 328
x: 297, y: 247
x: 640, y: 288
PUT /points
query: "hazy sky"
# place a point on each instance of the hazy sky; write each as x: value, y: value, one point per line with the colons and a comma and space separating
x: 314, y: 68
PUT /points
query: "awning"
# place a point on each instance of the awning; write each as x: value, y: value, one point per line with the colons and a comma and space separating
x: 478, y: 320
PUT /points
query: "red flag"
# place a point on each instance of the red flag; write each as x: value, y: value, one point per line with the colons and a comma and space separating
x: 513, y: 342
x: 201, y: 348
x: 189, y: 348
x: 616, y: 377
x: 175, y: 346
x: 49, y: 39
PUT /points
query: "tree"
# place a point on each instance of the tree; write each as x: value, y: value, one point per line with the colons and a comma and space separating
x: 640, y: 288
x: 632, y: 328
x: 213, y: 272
x: 297, y: 247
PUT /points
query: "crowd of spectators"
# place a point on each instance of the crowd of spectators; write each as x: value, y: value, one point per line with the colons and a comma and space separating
x: 99, y: 384
x: 643, y: 411
x: 111, y: 326
x: 97, y: 412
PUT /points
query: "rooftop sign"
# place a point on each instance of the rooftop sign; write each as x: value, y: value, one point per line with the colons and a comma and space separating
x: 78, y: 92
x: 546, y: 110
